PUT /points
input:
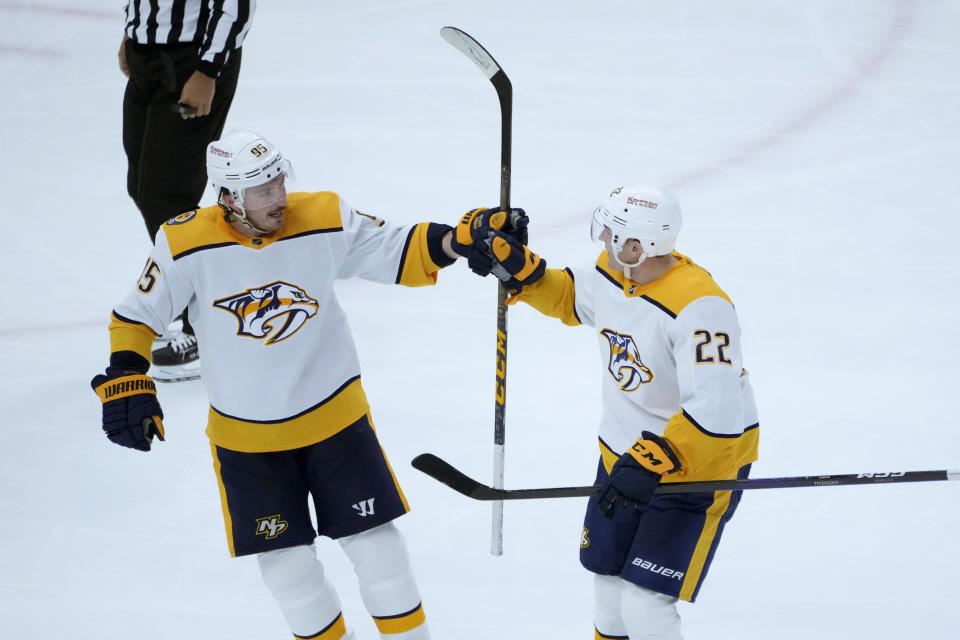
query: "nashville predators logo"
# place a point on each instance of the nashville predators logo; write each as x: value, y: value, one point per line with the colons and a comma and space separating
x: 274, y: 311
x: 625, y: 364
x: 271, y: 526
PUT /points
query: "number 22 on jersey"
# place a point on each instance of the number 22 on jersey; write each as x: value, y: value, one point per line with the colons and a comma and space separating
x: 710, y: 344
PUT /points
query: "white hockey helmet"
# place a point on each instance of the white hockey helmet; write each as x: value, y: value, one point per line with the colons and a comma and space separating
x: 243, y: 159
x: 647, y: 213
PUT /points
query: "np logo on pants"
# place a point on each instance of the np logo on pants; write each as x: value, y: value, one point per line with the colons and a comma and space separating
x: 271, y: 526
x: 364, y: 507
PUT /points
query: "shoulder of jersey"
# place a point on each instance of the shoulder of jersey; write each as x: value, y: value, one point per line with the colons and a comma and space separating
x: 686, y: 282
x: 195, y: 229
x: 312, y: 212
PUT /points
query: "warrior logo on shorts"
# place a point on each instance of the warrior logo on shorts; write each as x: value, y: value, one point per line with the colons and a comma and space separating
x: 271, y: 526
x: 364, y: 507
x: 274, y: 311
x: 625, y: 364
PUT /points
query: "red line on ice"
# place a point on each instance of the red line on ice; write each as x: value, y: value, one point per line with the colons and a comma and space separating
x: 817, y: 110
x: 804, y: 119
x: 20, y: 332
x: 115, y: 16
x: 31, y: 52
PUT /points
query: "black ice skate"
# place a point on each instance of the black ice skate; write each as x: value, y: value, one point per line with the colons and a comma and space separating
x: 177, y: 360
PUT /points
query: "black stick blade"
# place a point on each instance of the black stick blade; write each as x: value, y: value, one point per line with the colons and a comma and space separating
x: 444, y: 472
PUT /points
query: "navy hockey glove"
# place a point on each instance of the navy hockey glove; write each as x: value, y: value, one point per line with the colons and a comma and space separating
x: 478, y: 225
x: 513, y: 263
x: 636, y: 475
x: 131, y: 412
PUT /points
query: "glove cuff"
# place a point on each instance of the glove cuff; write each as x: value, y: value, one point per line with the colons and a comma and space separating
x: 125, y: 386
x: 128, y: 361
x: 435, y: 233
x: 654, y: 454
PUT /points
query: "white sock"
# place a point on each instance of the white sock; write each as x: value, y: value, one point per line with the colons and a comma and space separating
x: 295, y: 578
x: 387, y: 585
x: 606, y: 607
x: 649, y: 615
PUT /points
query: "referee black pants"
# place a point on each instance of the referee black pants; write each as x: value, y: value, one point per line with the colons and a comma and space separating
x: 166, y: 167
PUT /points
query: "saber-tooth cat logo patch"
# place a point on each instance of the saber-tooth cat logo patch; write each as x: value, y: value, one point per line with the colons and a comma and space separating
x: 273, y: 311
x: 625, y: 364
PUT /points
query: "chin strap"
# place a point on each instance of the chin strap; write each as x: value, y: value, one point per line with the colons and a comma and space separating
x: 241, y: 217
x: 627, y: 267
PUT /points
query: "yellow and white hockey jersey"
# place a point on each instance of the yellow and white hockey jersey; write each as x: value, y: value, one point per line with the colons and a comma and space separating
x: 671, y: 362
x: 279, y: 363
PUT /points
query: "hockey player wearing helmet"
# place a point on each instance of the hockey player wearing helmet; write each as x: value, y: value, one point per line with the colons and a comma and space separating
x: 249, y: 175
x: 289, y: 420
x: 677, y: 405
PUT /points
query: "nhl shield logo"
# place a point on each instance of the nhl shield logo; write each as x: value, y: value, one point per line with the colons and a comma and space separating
x: 274, y: 311
x: 625, y: 364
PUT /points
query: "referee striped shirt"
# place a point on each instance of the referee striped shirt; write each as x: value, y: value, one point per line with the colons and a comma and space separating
x: 217, y: 27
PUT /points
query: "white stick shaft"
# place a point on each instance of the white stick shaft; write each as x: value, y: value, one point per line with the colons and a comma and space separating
x: 496, y: 524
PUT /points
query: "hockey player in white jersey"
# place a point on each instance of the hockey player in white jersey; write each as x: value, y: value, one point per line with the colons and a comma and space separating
x: 288, y: 417
x: 677, y: 405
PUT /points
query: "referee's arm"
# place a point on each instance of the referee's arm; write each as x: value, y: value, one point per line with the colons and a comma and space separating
x: 228, y: 26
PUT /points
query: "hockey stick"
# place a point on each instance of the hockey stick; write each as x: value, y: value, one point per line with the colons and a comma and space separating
x: 444, y: 472
x: 482, y: 58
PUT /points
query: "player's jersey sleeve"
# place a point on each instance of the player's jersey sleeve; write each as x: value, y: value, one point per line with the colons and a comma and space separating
x: 160, y: 294
x: 557, y: 294
x: 715, y: 431
x: 391, y: 254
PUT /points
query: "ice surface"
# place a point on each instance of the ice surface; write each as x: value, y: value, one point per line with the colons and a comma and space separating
x: 814, y: 148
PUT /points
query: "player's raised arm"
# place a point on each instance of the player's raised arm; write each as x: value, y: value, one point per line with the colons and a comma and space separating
x: 380, y: 251
x: 413, y: 255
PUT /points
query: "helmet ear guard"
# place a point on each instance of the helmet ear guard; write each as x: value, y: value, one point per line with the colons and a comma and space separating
x: 647, y: 213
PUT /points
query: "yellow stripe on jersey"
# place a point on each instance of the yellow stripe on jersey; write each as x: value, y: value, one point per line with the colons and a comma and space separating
x: 206, y: 228
x: 333, y: 631
x: 683, y: 283
x: 721, y: 502
x: 330, y: 416
x: 552, y: 295
x: 599, y: 636
x: 308, y: 212
x: 130, y: 336
x: 401, y: 623
x: 705, y: 455
x: 227, y: 520
x: 418, y: 269
x: 609, y: 456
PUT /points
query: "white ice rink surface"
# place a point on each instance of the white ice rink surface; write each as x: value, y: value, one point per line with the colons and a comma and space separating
x: 814, y: 146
